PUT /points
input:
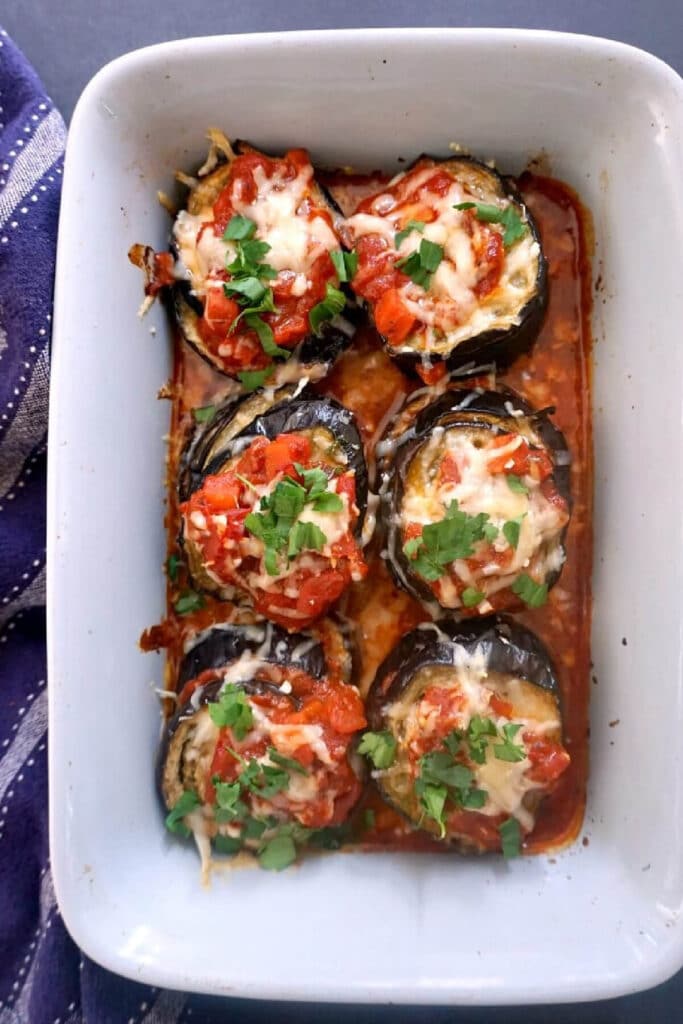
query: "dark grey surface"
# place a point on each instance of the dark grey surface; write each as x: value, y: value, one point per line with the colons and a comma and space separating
x: 67, y: 42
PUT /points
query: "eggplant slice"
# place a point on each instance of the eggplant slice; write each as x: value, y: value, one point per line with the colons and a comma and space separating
x: 279, y: 197
x: 469, y: 713
x: 241, y: 570
x: 475, y: 490
x: 241, y: 765
x: 450, y: 264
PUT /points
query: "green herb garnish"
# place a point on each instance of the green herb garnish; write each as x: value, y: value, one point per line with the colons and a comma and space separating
x: 511, y: 531
x: 509, y: 218
x: 508, y: 750
x: 253, y: 379
x: 331, y: 306
x: 511, y: 838
x: 232, y: 709
x: 472, y: 597
x: 421, y: 264
x: 239, y: 228
x: 189, y: 601
x: 533, y: 594
x: 287, y: 762
x: 226, y: 844
x: 188, y: 802
x: 443, y: 542
x: 345, y: 263
x: 516, y: 485
x: 380, y: 747
x: 205, y: 414
x: 172, y: 566
x: 278, y: 853
x: 412, y: 225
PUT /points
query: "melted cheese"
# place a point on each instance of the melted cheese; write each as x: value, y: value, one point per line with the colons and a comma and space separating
x: 450, y: 310
x: 296, y: 239
x: 478, y: 490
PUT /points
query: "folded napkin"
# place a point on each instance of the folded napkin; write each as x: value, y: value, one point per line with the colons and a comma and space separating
x: 43, y: 976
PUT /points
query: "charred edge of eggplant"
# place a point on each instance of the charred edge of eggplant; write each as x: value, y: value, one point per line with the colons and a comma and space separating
x: 314, y: 351
x: 501, y: 346
x: 510, y: 648
x: 184, y: 715
x: 279, y: 413
x: 222, y: 645
x: 468, y: 408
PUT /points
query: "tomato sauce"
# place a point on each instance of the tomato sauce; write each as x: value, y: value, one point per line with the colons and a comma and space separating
x: 556, y: 373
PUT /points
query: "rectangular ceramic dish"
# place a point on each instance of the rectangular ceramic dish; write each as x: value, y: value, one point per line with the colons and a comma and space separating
x: 597, y: 920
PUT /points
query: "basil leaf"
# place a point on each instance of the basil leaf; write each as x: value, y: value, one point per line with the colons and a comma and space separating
x: 464, y: 206
x: 421, y: 264
x: 188, y: 802
x: 511, y: 838
x: 238, y: 228
x: 205, y: 414
x: 412, y: 225
x: 287, y: 762
x: 278, y: 853
x: 245, y: 288
x: 509, y: 217
x: 533, y: 594
x: 253, y: 828
x: 474, y: 799
x: 431, y: 255
x: 516, y: 485
x: 253, y: 379
x: 189, y: 601
x: 472, y: 597
x: 315, y: 480
x: 232, y: 710
x: 332, y: 304
x: 288, y: 498
x: 228, y: 800
x: 380, y: 747
x: 226, y: 844
x: 253, y: 251
x: 172, y: 566
x: 439, y: 767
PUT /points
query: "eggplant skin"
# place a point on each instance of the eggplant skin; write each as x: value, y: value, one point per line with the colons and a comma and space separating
x: 315, y: 354
x: 507, y: 646
x: 464, y: 407
x: 268, y: 414
x: 499, y: 346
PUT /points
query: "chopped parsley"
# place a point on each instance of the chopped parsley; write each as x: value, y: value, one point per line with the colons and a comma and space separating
x: 511, y: 531
x: 188, y: 802
x: 232, y: 709
x: 516, y: 484
x: 205, y: 414
x: 532, y: 593
x: 172, y: 567
x: 513, y: 225
x: 443, y: 778
x: 380, y: 747
x: 331, y: 306
x: 278, y: 853
x: 443, y: 542
x: 227, y: 844
x: 510, y: 838
x: 277, y: 522
x: 412, y: 225
x: 189, y: 601
x: 421, y: 264
x: 508, y: 750
x: 471, y: 597
x: 345, y: 263
x: 253, y: 379
x: 239, y: 228
x: 287, y: 762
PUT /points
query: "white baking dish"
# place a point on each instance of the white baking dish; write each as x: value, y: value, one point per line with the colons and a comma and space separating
x: 597, y: 920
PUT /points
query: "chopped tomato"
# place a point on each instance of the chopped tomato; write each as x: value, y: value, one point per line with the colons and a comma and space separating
x: 449, y: 470
x: 548, y: 759
x: 319, y: 592
x: 501, y: 707
x: 516, y: 460
x: 221, y: 492
x: 490, y: 257
x: 393, y: 319
x: 219, y: 310
x: 431, y: 374
x: 284, y: 451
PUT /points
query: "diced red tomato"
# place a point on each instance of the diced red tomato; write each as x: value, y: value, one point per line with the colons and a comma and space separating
x: 319, y: 592
x: 548, y: 759
x: 501, y: 707
x: 431, y: 374
x: 221, y: 492
x: 449, y: 470
x: 393, y: 319
x: 490, y: 257
x: 219, y: 310
x: 284, y: 451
